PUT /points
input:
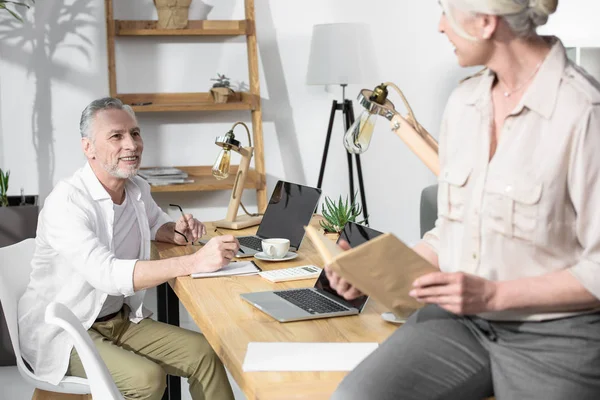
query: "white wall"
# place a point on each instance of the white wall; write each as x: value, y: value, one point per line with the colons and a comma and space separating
x: 55, y: 64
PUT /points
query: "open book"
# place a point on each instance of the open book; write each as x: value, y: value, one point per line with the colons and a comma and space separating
x: 383, y: 268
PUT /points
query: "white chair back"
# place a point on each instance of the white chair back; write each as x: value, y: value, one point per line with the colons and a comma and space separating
x: 15, y: 268
x: 99, y: 378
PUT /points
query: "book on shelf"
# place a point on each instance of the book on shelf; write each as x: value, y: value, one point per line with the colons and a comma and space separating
x: 162, y: 173
x: 161, y: 176
x: 383, y: 268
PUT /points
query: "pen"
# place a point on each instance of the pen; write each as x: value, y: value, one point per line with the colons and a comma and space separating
x: 221, y: 233
x: 256, y: 265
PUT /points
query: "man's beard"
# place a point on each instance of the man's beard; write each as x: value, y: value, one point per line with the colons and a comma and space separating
x: 120, y: 173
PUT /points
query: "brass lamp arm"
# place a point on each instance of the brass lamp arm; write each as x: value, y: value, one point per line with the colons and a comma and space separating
x: 247, y: 131
x: 419, y: 140
x: 411, y: 117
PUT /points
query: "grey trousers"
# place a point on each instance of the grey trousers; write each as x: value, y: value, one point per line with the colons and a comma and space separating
x: 438, y: 355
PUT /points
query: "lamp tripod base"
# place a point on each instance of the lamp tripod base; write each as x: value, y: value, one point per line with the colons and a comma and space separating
x: 241, y: 222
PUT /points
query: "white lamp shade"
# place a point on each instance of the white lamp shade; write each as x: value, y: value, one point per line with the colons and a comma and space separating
x: 341, y: 54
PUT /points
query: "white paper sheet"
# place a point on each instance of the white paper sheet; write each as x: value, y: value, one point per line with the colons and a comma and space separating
x: 279, y: 356
x: 234, y: 268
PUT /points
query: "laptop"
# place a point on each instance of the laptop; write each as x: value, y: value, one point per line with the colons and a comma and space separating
x: 290, y: 208
x: 320, y: 301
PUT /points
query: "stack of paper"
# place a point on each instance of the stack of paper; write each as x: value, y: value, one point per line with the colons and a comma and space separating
x: 277, y: 356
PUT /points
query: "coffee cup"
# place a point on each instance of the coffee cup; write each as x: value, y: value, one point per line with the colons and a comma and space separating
x: 275, y: 248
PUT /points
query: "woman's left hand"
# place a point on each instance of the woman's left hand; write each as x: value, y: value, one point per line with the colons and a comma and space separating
x: 457, y: 292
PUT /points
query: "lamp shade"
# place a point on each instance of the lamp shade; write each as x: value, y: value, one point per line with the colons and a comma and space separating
x: 341, y: 53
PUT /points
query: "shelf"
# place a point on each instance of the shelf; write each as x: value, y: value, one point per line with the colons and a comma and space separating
x: 204, y: 181
x: 194, y: 28
x: 162, y: 102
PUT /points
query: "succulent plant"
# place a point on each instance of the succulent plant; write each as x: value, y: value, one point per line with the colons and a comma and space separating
x: 221, y: 81
x: 336, y: 214
x: 4, y: 188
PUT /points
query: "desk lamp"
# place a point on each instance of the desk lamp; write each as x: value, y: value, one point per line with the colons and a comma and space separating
x: 220, y: 170
x: 375, y: 102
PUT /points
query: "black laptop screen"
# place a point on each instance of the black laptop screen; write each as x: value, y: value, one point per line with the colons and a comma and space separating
x: 291, y: 207
x: 355, y: 235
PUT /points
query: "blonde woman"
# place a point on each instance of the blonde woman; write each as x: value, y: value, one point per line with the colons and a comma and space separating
x: 514, y: 310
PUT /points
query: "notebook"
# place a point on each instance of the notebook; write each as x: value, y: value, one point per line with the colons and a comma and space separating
x: 394, y: 267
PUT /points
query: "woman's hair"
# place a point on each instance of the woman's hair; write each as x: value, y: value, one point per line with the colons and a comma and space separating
x: 522, y: 16
x: 88, y: 114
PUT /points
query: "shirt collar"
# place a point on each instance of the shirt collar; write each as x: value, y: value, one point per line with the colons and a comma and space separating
x: 98, y: 192
x: 542, y: 93
x: 541, y: 96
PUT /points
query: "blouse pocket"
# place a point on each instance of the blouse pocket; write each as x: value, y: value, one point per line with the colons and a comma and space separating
x: 512, y: 208
x: 453, y: 193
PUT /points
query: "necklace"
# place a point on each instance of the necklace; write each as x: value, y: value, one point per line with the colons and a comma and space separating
x: 508, y: 93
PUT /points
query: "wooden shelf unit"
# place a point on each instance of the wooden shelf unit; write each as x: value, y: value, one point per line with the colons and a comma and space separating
x: 187, y: 102
x: 190, y: 102
x: 194, y: 28
x: 204, y: 181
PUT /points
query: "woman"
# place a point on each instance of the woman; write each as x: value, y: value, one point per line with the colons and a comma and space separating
x: 514, y: 310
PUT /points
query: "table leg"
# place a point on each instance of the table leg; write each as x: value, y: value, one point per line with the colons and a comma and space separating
x: 168, y: 312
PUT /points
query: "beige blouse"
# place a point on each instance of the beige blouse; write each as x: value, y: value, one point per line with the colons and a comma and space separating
x: 535, y: 207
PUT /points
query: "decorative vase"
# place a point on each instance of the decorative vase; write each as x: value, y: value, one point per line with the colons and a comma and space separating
x: 333, y: 236
x: 220, y: 94
x: 172, y: 14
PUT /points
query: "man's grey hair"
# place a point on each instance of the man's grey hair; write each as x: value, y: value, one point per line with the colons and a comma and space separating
x: 106, y: 103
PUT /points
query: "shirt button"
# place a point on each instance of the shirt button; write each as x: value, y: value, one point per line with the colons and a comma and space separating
x: 474, y: 256
x: 508, y: 189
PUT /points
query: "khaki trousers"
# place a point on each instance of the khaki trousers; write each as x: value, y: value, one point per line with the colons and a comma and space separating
x: 139, y: 356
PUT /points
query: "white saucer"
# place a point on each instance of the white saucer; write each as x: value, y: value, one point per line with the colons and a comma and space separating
x: 390, y: 317
x: 289, y: 256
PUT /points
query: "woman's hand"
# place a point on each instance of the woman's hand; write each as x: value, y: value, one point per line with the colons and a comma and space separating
x: 343, y: 287
x: 457, y: 292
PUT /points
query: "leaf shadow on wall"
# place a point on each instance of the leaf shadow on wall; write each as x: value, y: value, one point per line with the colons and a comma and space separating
x: 38, y: 38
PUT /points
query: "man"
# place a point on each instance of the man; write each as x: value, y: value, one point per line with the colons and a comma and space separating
x: 92, y: 251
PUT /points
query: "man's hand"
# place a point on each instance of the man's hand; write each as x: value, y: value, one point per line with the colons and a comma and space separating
x: 457, y: 292
x: 190, y: 227
x: 342, y: 286
x: 216, y: 254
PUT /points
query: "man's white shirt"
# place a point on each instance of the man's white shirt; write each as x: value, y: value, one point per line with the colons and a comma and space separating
x: 75, y: 264
x: 126, y: 244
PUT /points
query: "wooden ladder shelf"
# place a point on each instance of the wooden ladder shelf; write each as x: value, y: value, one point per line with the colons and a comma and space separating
x: 189, y: 102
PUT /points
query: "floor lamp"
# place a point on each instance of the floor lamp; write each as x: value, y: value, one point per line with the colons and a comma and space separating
x: 341, y: 54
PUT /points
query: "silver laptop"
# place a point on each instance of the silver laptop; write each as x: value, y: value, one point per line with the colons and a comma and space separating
x: 290, y: 208
x: 320, y: 301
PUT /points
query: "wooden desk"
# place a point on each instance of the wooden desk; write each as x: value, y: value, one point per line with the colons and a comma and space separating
x: 229, y: 324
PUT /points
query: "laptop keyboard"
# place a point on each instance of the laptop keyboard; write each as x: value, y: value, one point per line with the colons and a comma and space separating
x: 310, y: 301
x: 251, y: 242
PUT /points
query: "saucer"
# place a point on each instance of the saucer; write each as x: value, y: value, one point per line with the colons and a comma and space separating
x: 390, y: 317
x: 289, y: 256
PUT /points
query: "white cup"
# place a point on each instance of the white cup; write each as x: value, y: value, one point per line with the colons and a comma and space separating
x: 275, y: 248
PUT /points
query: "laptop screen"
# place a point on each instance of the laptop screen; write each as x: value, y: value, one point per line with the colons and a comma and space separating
x: 290, y: 208
x: 355, y: 235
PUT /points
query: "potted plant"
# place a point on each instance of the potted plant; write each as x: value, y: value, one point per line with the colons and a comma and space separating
x: 221, y: 89
x: 18, y: 214
x: 337, y: 213
x: 172, y: 14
